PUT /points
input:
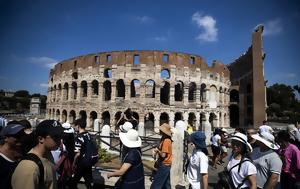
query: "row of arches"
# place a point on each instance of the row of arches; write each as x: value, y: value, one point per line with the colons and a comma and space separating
x: 149, y: 89
x: 150, y: 120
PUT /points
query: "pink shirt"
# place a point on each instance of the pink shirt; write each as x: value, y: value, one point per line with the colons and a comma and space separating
x: 291, y: 163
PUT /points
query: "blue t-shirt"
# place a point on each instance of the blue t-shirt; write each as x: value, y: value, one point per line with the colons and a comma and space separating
x: 134, y: 176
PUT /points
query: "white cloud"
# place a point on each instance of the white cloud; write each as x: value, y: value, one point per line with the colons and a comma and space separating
x: 273, y: 27
x: 143, y: 19
x: 44, y: 61
x: 208, y: 25
x: 44, y: 85
x: 160, y: 38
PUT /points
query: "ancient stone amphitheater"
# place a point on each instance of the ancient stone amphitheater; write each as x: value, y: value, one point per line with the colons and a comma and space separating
x: 159, y: 86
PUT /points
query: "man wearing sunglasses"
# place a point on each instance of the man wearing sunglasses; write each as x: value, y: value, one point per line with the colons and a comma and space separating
x: 48, y: 136
x: 10, y: 151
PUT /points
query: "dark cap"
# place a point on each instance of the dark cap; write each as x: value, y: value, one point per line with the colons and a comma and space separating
x: 198, y: 139
x: 49, y: 127
x: 11, y: 129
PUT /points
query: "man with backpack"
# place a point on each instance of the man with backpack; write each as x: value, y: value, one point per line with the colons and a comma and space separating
x: 86, y: 155
x: 36, y: 171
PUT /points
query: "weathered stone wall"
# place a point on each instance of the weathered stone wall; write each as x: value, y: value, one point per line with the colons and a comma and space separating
x: 194, y: 92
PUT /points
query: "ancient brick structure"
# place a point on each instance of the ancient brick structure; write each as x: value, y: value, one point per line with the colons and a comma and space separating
x: 159, y: 86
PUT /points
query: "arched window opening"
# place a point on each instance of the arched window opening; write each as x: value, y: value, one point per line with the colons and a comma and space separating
x: 66, y: 91
x: 95, y: 86
x: 192, y: 92
x: 165, y: 74
x: 75, y: 75
x: 234, y: 116
x: 150, y: 89
x: 93, y: 117
x: 234, y: 95
x: 57, y: 115
x: 74, y: 88
x: 212, y: 120
x: 107, y: 90
x: 203, y: 93
x: 149, y: 124
x: 178, y: 116
x: 202, y: 121
x: 135, y: 88
x: 72, y: 116
x: 107, y: 73
x: 106, y: 118
x: 179, y: 91
x: 64, y: 116
x: 192, y: 121
x: 120, y: 88
x: 165, y: 93
x: 84, y: 89
x: 82, y: 115
x: 164, y: 118
x: 117, y: 118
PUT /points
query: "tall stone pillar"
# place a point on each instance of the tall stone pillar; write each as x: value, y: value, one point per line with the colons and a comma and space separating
x: 79, y: 91
x: 100, y: 93
x: 185, y: 95
x: 186, y: 117
x: 172, y: 95
x: 113, y: 92
x: 89, y: 90
x: 127, y: 91
x: 171, y: 119
x: 197, y: 121
x: 156, y: 121
x: 206, y: 126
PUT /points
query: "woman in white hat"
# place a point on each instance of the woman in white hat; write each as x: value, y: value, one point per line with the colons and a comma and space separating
x: 131, y: 172
x: 240, y: 167
x: 266, y: 160
x: 164, y: 153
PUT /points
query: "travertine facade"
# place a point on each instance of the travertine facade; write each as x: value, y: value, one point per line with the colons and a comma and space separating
x: 159, y: 86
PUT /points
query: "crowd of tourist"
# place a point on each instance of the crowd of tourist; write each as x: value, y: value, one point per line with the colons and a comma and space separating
x: 55, y: 155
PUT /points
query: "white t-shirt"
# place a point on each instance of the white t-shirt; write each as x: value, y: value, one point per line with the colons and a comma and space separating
x: 266, y: 163
x: 214, y: 140
x: 198, y: 165
x: 247, y: 168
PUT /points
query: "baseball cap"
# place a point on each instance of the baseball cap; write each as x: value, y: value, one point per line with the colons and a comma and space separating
x: 49, y: 127
x: 11, y: 129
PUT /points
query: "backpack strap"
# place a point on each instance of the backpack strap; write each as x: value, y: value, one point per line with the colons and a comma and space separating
x: 33, y: 157
x: 239, y: 164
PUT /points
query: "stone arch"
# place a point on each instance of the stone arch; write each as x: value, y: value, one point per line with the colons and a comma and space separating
x: 178, y: 116
x: 179, y: 91
x: 192, y: 120
x: 203, y: 92
x: 212, y: 120
x: 234, y: 115
x: 165, y: 93
x: 64, y: 116
x: 66, y: 91
x: 93, y: 116
x: 72, y: 116
x: 164, y: 118
x: 107, y: 73
x: 106, y: 118
x: 234, y: 95
x: 107, y: 90
x: 165, y: 74
x: 95, y: 87
x: 149, y: 124
x: 74, y: 90
x: 192, y: 92
x: 135, y: 88
x: 150, y: 89
x: 120, y: 88
x: 82, y: 115
x: 57, y: 115
x: 84, y: 88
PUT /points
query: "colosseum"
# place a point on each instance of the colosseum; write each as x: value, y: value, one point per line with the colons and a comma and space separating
x: 158, y: 86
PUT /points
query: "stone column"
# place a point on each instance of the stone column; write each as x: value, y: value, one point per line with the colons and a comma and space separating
x: 198, y: 101
x: 113, y: 92
x: 156, y: 121
x: 217, y: 119
x: 127, y: 91
x: 157, y: 93
x: 185, y: 95
x: 89, y: 91
x: 100, y: 92
x: 206, y: 126
x: 197, y: 121
x: 79, y: 91
x: 186, y: 117
x: 172, y: 95
x: 171, y: 119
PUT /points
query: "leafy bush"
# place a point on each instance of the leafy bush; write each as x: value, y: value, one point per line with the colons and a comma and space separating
x: 104, y: 156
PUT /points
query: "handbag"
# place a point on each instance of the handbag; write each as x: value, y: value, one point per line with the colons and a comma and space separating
x: 225, y: 177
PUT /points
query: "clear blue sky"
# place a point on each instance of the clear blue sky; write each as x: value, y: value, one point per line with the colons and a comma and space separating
x: 36, y: 34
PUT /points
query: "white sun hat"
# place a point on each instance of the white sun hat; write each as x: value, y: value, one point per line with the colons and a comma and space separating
x: 131, y: 139
x: 68, y: 128
x: 267, y: 138
x: 126, y: 127
x: 265, y: 128
x: 242, y: 138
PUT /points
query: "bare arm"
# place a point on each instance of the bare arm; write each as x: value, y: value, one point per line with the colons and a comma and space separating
x: 120, y: 172
x: 205, y: 181
x: 272, y: 181
x: 252, y: 181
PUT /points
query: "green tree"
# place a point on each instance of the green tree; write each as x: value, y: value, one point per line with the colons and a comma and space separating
x: 22, y: 93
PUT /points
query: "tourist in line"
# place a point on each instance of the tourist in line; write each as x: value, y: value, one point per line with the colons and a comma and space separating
x: 266, y: 160
x: 127, y: 116
x: 197, y: 171
x: 10, y: 152
x: 251, y: 140
x: 290, y: 174
x: 223, y: 145
x: 242, y: 170
x: 81, y: 169
x: 27, y: 174
x: 216, y: 147
x: 164, y: 153
x: 131, y: 172
x: 124, y: 129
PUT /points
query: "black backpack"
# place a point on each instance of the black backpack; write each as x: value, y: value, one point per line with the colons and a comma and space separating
x: 38, y: 161
x: 90, y: 151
